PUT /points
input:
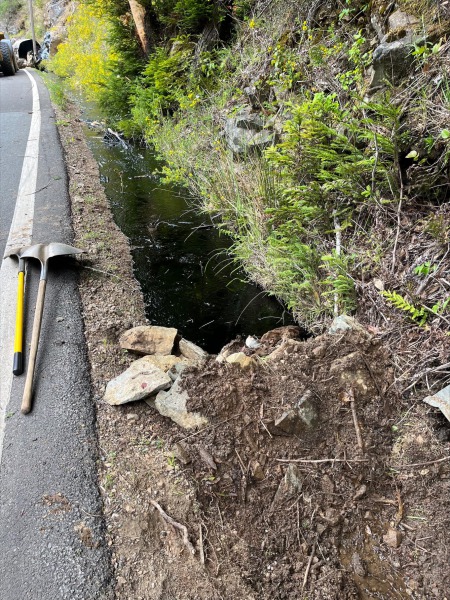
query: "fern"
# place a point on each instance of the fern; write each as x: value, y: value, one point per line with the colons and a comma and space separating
x: 418, y: 315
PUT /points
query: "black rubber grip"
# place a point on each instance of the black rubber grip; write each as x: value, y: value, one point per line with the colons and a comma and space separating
x: 18, y: 363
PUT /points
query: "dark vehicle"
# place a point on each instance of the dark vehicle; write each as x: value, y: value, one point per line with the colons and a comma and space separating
x: 8, y: 63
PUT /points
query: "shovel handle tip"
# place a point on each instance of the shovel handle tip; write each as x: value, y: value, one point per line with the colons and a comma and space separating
x: 18, y: 363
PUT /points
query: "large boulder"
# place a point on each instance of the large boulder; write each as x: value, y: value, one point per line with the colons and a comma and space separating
x: 149, y: 339
x: 245, y: 133
x: 400, y: 20
x: 140, y: 380
x: 392, y: 61
x: 393, y: 58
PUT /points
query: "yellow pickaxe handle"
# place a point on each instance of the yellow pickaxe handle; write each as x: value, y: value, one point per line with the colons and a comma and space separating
x: 18, y: 336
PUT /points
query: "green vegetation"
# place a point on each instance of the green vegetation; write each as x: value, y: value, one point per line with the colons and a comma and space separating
x: 9, y: 8
x: 321, y: 209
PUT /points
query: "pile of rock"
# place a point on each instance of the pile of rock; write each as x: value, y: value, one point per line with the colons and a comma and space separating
x: 154, y: 377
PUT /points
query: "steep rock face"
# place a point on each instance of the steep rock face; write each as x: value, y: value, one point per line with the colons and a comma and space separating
x: 56, y: 13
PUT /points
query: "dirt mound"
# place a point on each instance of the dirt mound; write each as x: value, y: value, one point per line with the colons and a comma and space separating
x: 296, y: 476
x: 284, y: 473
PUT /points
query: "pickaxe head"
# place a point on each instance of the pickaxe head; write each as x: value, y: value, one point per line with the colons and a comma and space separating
x: 43, y: 252
x: 17, y: 252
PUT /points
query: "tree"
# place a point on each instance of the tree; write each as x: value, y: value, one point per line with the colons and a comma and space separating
x: 144, y: 29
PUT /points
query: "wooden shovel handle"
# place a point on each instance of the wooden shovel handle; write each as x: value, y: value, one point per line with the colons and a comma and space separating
x: 28, y: 391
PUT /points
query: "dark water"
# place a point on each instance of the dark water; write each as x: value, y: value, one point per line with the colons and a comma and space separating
x: 180, y: 260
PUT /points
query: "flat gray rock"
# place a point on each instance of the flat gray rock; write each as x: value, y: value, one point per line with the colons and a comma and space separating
x: 345, y: 323
x: 140, y: 380
x: 172, y: 404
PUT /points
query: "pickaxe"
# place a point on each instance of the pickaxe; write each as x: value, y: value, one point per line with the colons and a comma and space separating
x: 43, y: 253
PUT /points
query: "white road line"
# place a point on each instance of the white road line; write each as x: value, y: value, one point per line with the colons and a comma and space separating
x: 20, y: 234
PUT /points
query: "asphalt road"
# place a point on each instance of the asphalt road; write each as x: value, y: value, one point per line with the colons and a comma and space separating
x: 52, y: 543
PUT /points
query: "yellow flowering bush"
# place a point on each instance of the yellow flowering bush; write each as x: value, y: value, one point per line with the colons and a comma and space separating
x: 85, y: 59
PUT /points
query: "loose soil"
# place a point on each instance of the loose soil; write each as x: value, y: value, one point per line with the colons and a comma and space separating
x: 354, y: 505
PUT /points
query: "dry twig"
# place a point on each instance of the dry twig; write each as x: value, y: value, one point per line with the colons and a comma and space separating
x: 174, y: 523
x: 200, y: 544
x: 423, y: 464
x: 308, y: 566
x: 322, y: 460
x: 349, y: 397
x: 426, y: 372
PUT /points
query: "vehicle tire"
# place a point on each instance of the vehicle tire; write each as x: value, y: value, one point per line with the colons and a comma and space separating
x: 14, y: 57
x: 8, y: 67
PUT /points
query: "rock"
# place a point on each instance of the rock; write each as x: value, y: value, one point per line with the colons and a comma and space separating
x: 172, y: 404
x: 319, y: 351
x: 140, y: 380
x: 377, y: 25
x: 293, y: 480
x: 441, y: 400
x: 207, y: 458
x: 245, y: 133
x: 180, y: 452
x: 229, y: 349
x: 332, y: 516
x: 401, y: 20
x: 149, y: 339
x: 294, y: 420
x: 306, y: 410
x: 191, y: 351
x: 289, y: 422
x: 252, y: 342
x: 256, y: 470
x: 360, y: 492
x: 290, y: 485
x: 392, y: 60
x: 345, y: 323
x: 177, y: 369
x: 166, y: 362
x: 279, y: 334
x: 359, y: 567
x: 393, y: 538
x: 251, y: 92
x: 241, y: 359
